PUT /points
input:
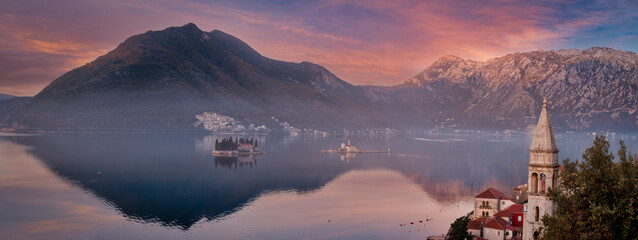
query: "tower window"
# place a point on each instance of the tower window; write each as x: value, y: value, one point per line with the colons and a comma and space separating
x: 534, y: 182
x: 537, y: 211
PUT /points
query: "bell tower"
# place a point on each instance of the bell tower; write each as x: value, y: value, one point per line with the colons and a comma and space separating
x: 543, y: 174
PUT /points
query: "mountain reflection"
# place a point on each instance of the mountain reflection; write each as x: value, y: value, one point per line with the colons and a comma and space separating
x: 173, y: 180
x: 162, y: 179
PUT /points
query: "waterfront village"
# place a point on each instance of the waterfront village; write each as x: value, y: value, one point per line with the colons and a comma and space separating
x: 496, y: 216
x: 219, y: 123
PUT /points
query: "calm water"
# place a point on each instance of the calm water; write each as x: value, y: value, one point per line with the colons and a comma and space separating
x: 126, y: 186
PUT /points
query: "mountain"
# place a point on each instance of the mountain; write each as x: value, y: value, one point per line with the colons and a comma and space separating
x: 5, y: 96
x: 9, y: 103
x: 162, y: 79
x: 596, y: 88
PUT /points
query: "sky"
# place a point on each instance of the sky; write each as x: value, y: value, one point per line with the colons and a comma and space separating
x: 367, y: 42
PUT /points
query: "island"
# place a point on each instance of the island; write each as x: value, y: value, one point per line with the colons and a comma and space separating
x: 350, y: 148
x: 240, y: 146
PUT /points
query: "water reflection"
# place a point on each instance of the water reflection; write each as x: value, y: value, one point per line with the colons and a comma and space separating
x: 348, y: 156
x: 161, y: 179
x: 174, y: 181
x: 234, y: 162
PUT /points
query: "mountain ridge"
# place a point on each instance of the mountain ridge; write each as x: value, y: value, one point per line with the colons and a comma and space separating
x: 588, y: 88
x: 159, y: 80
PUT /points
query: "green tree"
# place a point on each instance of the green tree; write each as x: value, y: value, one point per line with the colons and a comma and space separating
x: 596, y: 198
x: 458, y: 229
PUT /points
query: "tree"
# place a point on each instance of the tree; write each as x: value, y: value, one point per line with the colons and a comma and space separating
x: 458, y: 229
x: 596, y: 198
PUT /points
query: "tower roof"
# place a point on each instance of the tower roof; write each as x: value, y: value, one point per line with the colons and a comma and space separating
x: 544, y: 140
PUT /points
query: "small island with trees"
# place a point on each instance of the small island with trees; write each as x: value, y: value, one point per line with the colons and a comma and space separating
x: 240, y: 146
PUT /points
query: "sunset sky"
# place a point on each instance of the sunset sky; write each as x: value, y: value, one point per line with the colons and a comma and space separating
x: 376, y: 42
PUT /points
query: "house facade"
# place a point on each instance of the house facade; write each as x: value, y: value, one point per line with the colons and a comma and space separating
x: 487, y: 203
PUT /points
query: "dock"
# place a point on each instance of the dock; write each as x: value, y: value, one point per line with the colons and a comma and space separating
x: 234, y: 153
x: 359, y: 151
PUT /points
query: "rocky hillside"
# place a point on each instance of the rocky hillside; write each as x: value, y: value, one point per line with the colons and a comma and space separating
x: 595, y: 88
x: 162, y: 79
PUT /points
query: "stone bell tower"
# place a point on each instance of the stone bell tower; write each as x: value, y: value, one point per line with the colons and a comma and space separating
x: 543, y: 174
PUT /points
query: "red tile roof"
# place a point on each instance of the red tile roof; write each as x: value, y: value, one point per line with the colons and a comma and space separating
x: 496, y: 223
x: 503, y: 213
x: 476, y: 223
x: 489, y: 193
x: 514, y: 229
x: 507, y: 198
x: 516, y: 208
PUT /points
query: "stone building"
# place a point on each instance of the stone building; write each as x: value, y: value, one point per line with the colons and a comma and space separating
x: 491, y: 218
x: 489, y: 202
x: 543, y: 174
x: 520, y: 193
x: 475, y: 227
x: 496, y: 228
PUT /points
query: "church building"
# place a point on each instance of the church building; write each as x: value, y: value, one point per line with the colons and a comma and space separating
x: 543, y: 175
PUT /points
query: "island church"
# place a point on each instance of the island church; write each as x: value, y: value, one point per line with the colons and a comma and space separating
x: 499, y: 217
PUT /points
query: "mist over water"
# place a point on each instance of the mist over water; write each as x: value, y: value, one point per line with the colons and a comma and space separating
x: 168, y: 186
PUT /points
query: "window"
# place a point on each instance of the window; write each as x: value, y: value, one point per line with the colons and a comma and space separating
x: 520, y: 218
x: 534, y: 182
x: 536, y: 213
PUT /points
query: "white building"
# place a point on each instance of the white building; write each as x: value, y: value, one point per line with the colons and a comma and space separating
x: 349, y: 148
x: 543, y: 174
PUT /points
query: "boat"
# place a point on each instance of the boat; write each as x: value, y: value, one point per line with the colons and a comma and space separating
x: 350, y: 148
